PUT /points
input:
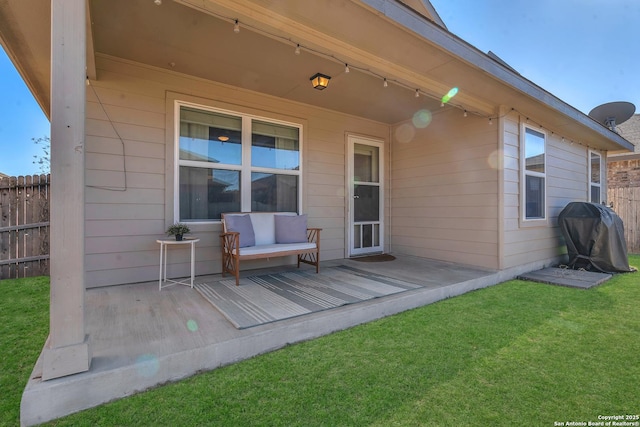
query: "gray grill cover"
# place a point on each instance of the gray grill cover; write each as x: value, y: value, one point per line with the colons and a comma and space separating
x: 594, y: 235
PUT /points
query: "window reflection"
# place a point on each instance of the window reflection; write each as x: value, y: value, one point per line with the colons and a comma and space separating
x: 210, y: 137
x: 274, y: 146
x: 534, y: 151
x: 206, y: 193
x: 595, y: 168
x: 365, y: 163
x: 214, y: 168
x: 274, y: 193
x: 535, y: 197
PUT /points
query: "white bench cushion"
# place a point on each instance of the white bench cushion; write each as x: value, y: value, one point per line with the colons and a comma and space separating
x: 275, y: 248
x: 264, y: 228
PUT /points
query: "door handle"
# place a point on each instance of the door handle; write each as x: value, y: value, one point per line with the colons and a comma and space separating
x: 356, y: 197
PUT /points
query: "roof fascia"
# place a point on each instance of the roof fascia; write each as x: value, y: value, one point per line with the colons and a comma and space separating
x: 448, y: 41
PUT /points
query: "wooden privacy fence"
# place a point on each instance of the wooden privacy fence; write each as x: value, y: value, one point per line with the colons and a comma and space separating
x: 626, y: 202
x: 24, y: 226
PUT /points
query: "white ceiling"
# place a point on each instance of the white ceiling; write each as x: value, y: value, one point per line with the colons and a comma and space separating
x: 189, y: 41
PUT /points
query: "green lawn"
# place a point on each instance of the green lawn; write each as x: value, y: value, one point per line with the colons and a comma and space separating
x: 24, y: 326
x: 519, y: 353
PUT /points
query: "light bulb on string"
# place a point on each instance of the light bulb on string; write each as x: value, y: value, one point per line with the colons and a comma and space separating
x: 346, y: 68
x: 236, y: 27
x: 417, y: 93
x: 297, y: 51
x: 384, y: 83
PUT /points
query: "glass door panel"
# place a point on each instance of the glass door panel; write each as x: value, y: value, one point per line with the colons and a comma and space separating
x: 366, y: 199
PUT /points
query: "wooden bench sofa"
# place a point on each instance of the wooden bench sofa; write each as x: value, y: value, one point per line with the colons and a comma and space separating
x: 255, y: 235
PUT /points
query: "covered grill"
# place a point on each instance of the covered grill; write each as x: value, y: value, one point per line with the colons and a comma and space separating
x: 594, y: 235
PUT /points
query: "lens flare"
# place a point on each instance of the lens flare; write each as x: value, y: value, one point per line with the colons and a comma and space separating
x: 192, y: 325
x: 405, y: 133
x: 147, y: 365
x: 496, y: 160
x: 422, y: 119
x: 449, y: 95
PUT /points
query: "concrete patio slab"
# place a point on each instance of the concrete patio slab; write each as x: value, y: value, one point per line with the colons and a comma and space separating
x: 142, y: 337
x: 567, y: 277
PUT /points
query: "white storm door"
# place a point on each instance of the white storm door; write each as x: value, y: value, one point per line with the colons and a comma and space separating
x: 365, y: 196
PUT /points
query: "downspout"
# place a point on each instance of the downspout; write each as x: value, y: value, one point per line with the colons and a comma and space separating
x: 390, y: 180
x: 502, y: 113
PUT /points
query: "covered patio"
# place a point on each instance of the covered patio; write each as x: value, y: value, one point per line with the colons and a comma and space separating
x: 142, y: 337
x: 438, y: 127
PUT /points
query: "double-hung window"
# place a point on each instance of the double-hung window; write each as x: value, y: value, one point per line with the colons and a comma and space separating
x: 230, y: 162
x: 534, y: 182
x: 595, y: 177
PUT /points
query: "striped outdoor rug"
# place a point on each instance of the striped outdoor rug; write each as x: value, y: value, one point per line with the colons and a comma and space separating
x: 271, y: 297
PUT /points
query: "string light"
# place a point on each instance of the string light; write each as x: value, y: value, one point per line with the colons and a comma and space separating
x: 157, y: 2
x: 298, y: 48
x: 385, y: 83
x: 532, y: 122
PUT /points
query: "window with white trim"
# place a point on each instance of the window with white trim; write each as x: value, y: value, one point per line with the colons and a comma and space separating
x: 534, y: 182
x: 595, y: 177
x: 229, y: 162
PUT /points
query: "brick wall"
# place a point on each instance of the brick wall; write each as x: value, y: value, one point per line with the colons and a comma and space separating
x: 623, y: 173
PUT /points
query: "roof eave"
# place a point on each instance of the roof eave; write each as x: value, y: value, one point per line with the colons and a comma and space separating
x: 448, y: 41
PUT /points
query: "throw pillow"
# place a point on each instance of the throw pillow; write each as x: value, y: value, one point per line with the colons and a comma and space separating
x: 291, y: 228
x: 242, y: 224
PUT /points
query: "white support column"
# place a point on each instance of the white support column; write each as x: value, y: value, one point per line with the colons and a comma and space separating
x: 67, y: 349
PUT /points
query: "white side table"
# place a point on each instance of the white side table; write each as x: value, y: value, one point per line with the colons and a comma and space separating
x: 164, y: 244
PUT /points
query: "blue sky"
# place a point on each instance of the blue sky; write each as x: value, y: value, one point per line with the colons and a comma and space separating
x: 20, y: 120
x: 585, y: 52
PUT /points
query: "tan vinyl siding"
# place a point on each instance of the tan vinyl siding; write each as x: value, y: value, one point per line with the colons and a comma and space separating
x: 136, y: 105
x: 444, y: 197
x: 566, y: 181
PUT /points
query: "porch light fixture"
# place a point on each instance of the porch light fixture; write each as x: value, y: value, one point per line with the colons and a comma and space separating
x: 320, y: 81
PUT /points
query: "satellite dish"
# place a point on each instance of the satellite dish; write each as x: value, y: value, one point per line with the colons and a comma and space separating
x: 613, y: 113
